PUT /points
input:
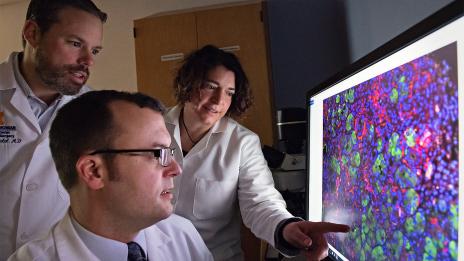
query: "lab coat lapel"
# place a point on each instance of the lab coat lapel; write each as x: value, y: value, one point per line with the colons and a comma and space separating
x: 69, y: 246
x: 200, y: 146
x: 217, y: 128
x: 172, y: 123
x: 14, y: 95
x: 20, y: 103
x: 156, y: 241
x: 63, y: 101
x: 171, y: 119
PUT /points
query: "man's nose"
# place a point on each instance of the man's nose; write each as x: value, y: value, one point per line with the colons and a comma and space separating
x: 173, y: 169
x: 86, y: 57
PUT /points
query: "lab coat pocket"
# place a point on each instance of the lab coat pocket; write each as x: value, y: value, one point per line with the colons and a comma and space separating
x: 214, y: 198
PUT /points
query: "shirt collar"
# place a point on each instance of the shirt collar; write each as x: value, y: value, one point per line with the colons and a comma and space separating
x: 105, y: 248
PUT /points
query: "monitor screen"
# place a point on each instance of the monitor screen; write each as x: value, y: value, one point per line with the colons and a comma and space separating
x: 385, y: 147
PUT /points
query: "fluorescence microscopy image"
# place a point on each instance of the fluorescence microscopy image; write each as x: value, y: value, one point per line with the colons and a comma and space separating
x: 390, y: 162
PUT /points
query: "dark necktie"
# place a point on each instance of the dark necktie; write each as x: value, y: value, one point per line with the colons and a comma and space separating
x: 135, y: 252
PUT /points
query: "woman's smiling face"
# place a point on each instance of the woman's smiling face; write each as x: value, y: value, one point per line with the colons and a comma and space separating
x: 213, y: 99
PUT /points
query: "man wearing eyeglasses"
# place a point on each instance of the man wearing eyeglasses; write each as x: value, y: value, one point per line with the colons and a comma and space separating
x: 111, y: 150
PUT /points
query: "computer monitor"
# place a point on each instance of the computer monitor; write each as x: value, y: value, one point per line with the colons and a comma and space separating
x: 386, y: 147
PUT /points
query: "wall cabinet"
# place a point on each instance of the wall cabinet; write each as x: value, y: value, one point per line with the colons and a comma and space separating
x: 163, y: 40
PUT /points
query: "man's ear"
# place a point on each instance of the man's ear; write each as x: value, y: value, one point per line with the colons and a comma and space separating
x: 31, y: 33
x: 90, y: 169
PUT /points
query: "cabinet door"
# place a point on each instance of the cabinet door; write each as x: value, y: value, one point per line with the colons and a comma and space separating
x: 160, y: 43
x: 240, y: 28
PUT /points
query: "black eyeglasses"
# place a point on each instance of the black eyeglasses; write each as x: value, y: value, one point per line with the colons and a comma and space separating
x: 164, y: 155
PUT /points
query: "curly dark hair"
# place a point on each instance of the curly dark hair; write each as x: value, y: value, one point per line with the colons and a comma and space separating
x: 194, y: 71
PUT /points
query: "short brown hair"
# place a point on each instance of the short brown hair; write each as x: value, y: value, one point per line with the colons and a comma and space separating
x: 45, y: 12
x: 85, y: 124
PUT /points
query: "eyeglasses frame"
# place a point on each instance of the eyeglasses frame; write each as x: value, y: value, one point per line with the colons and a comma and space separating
x: 156, y: 153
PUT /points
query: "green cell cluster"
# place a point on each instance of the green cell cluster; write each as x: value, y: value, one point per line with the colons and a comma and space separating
x: 397, y: 244
x: 354, y: 138
x: 454, y: 216
x: 379, y: 145
x: 404, y: 89
x: 410, y: 136
x: 335, y: 165
x: 430, y: 249
x: 349, y: 96
x: 453, y: 247
x: 393, y: 146
x: 411, y: 201
x: 420, y: 222
x: 378, y: 254
x: 380, y: 236
x: 379, y: 164
x: 353, y: 172
x: 406, y: 179
x: 356, y: 159
x: 349, y: 122
x: 394, y: 96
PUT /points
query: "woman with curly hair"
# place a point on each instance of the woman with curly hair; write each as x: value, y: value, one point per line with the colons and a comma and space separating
x: 225, y: 177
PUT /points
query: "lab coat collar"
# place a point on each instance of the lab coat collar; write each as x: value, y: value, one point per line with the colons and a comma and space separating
x: 15, y: 95
x: 171, y: 118
x: 20, y: 102
x: 7, y: 74
x: 155, y: 239
x: 11, y: 92
x: 103, y: 248
x: 68, y: 243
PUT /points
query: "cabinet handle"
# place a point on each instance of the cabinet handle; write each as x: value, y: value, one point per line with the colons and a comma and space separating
x: 172, y: 57
x: 231, y: 49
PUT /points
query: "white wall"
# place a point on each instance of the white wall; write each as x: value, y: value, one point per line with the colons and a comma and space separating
x: 115, y: 66
x: 11, y: 23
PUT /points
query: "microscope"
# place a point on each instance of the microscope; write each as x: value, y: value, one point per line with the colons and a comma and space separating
x: 287, y: 159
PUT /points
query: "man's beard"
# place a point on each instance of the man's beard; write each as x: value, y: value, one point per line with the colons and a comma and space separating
x: 55, y: 76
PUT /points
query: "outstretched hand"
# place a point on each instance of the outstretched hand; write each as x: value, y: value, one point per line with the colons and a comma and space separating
x: 309, y: 236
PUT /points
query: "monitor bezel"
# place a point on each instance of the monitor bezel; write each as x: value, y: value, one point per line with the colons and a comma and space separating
x: 432, y: 23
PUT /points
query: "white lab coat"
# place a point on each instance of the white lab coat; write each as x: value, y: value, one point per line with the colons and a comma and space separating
x: 32, y: 198
x: 223, y: 176
x: 174, y: 238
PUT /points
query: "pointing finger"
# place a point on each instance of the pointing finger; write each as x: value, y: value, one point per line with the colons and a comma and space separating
x: 326, y: 227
